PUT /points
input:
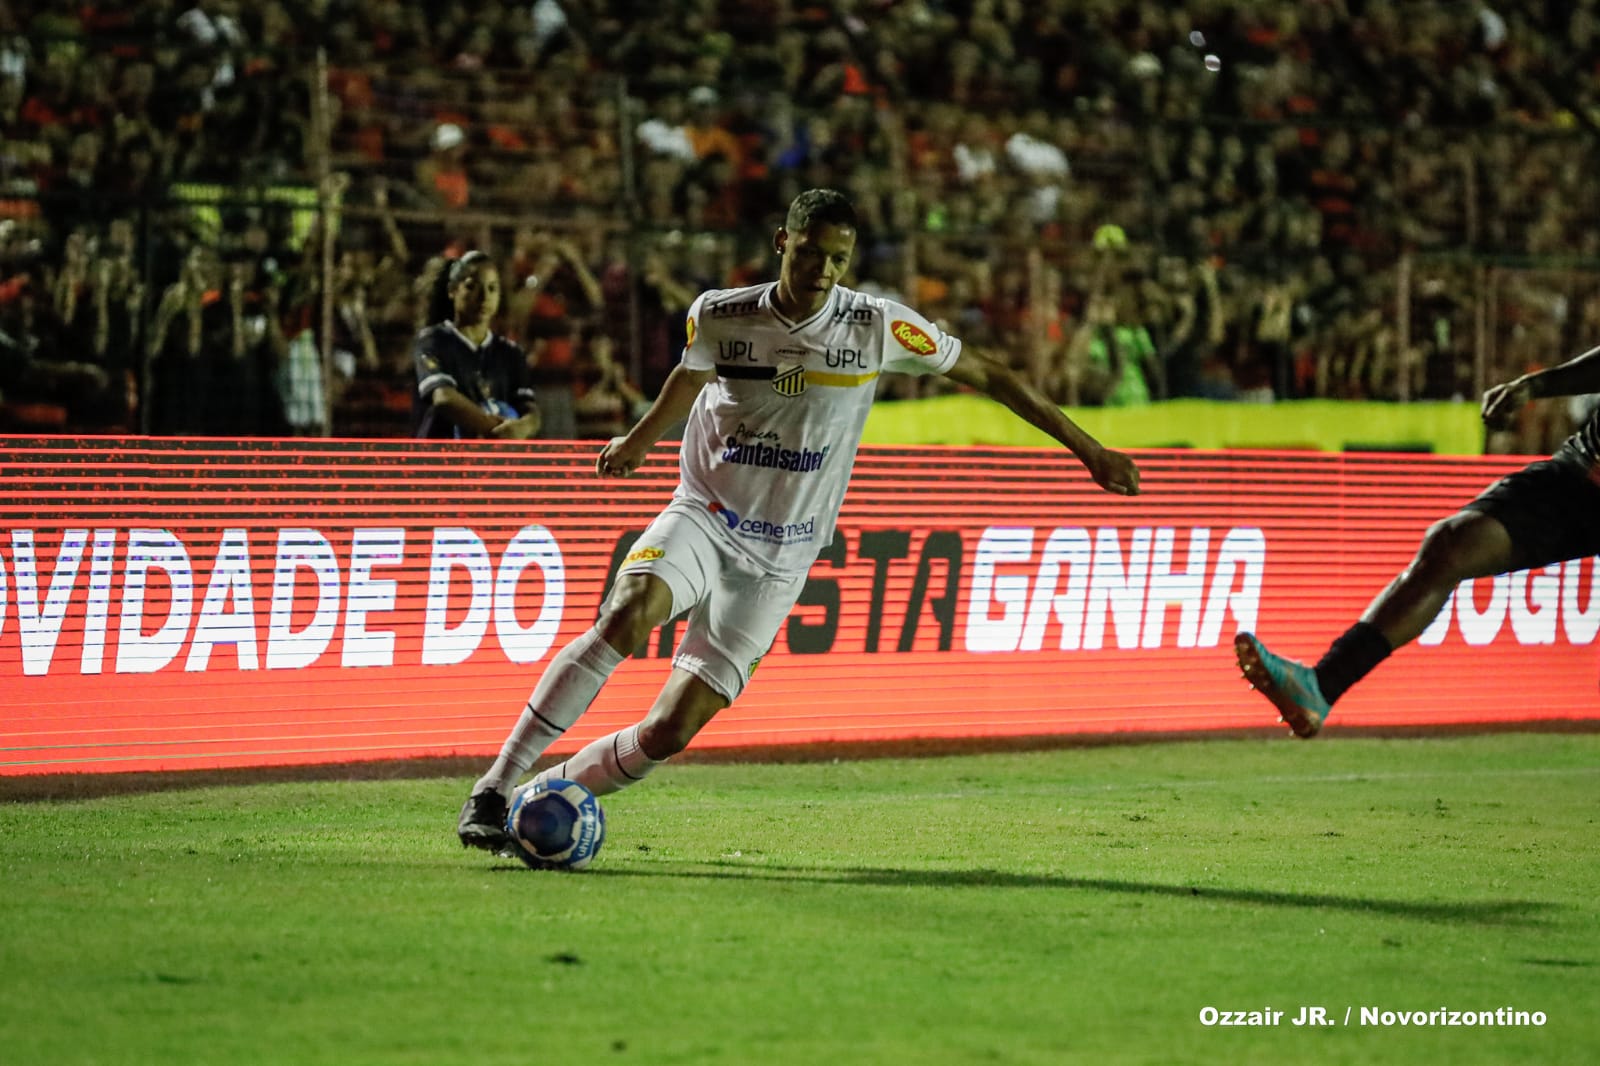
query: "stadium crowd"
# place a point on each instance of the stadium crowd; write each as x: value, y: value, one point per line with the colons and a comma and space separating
x: 1230, y: 199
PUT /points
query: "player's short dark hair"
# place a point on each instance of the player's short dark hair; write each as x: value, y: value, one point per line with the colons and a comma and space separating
x: 819, y: 207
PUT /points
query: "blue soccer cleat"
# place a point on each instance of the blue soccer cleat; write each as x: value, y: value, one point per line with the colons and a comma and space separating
x: 1292, y: 687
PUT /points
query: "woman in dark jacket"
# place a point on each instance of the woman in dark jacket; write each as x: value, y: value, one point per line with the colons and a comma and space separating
x: 470, y: 382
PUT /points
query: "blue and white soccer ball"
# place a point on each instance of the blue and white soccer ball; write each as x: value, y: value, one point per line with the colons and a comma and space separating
x: 556, y: 825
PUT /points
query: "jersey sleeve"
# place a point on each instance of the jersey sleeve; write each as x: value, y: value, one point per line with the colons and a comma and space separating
x: 431, y: 374
x: 696, y: 349
x: 523, y: 397
x: 913, y: 345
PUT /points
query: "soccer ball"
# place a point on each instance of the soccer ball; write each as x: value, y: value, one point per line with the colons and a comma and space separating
x: 556, y: 825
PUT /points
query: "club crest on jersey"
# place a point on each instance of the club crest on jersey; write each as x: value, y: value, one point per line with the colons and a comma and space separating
x: 790, y: 379
x: 912, y: 338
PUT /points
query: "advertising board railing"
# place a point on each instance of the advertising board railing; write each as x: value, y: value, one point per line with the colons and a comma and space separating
x: 180, y: 603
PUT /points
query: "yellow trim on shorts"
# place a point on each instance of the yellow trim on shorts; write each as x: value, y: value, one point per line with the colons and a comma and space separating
x: 843, y: 381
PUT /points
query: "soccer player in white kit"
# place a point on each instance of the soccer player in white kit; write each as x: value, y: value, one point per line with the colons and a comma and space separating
x: 775, y: 381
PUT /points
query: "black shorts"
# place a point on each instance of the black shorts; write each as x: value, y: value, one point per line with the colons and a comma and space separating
x: 1551, y: 510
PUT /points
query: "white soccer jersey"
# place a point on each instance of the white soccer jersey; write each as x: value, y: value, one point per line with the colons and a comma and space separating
x: 770, y: 444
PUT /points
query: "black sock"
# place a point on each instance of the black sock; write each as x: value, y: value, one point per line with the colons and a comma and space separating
x: 1350, y: 658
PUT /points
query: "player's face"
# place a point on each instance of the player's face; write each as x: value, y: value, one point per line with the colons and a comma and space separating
x: 813, y: 262
x: 476, y: 297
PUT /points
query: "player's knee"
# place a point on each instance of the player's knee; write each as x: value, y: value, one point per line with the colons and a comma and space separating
x: 633, y: 609
x: 1450, y: 549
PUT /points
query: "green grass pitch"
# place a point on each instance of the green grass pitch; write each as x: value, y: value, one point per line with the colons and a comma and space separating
x: 1077, y: 905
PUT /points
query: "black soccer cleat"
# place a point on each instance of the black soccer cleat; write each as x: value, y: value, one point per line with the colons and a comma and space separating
x: 483, y: 821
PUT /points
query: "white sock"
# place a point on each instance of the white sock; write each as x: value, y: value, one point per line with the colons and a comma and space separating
x: 607, y: 765
x: 570, y: 683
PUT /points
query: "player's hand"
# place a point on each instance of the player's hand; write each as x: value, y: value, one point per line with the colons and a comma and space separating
x: 524, y: 428
x: 617, y: 459
x: 1501, y: 403
x: 1115, y: 472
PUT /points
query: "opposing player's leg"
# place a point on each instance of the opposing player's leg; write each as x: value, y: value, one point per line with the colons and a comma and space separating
x: 1471, y: 543
x: 638, y: 603
x: 1467, y: 545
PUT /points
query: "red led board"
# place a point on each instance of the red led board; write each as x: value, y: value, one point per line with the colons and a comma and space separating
x: 170, y: 604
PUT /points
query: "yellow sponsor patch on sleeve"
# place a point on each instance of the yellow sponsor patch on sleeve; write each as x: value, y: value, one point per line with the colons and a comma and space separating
x: 643, y: 555
x: 912, y: 338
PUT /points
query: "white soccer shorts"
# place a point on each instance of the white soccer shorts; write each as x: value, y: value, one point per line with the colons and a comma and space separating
x: 735, y: 607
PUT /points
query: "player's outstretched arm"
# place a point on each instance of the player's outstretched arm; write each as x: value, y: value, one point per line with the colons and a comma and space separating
x: 1111, y: 470
x: 1577, y: 376
x: 622, y: 455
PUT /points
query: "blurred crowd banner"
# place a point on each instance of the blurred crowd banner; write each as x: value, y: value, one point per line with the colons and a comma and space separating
x: 183, y: 603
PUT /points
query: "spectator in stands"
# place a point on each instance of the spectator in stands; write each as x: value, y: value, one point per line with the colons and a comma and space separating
x: 442, y: 176
x: 70, y: 289
x: 1033, y: 152
x: 245, y: 399
x: 663, y: 297
x: 186, y: 317
x: 222, y: 91
x: 554, y: 295
x: 1122, y: 368
x: 305, y: 389
x: 608, y: 403
x: 44, y: 385
x: 1273, y: 339
x: 665, y: 132
x: 1191, y: 331
x: 471, y: 383
x: 974, y: 154
x: 117, y: 310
